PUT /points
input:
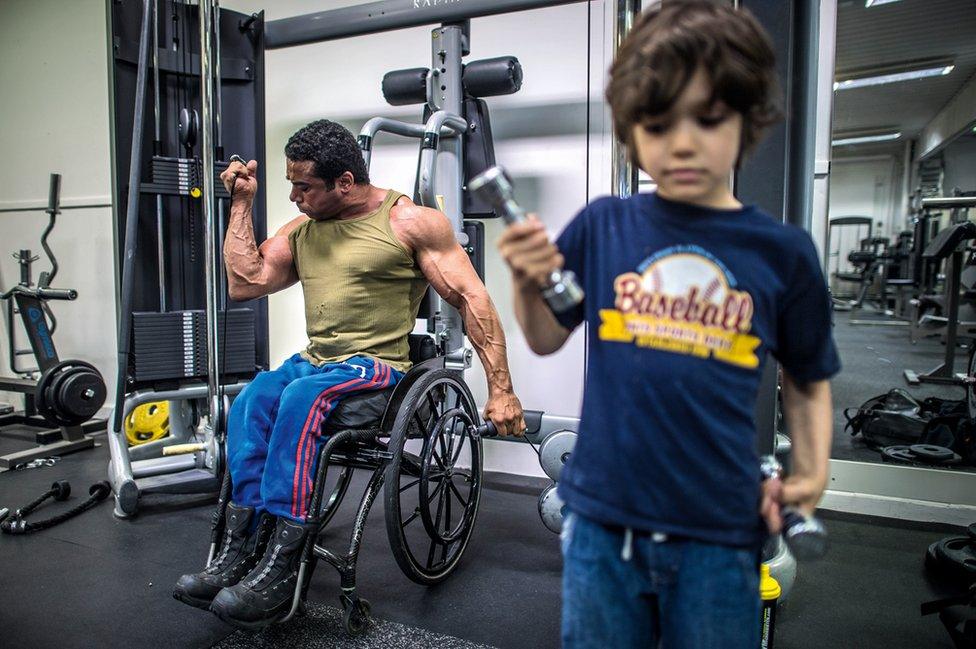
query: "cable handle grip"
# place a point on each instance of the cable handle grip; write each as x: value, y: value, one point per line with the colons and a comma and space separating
x: 562, y: 291
x: 487, y: 429
x: 57, y: 293
x: 806, y: 536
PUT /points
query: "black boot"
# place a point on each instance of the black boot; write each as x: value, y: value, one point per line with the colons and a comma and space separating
x: 237, y: 556
x: 265, y: 594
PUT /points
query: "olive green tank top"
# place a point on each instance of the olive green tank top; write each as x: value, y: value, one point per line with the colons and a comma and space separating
x: 362, y: 288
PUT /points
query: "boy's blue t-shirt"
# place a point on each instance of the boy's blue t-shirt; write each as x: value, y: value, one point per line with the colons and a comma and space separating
x: 683, y: 304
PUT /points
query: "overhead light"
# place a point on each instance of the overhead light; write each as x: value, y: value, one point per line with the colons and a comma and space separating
x: 864, y: 139
x: 894, y: 74
x: 875, y: 3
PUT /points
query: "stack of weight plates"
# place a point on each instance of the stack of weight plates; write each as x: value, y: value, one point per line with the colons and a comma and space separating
x: 173, y: 345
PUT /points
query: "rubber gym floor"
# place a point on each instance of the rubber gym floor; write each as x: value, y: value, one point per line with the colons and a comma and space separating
x: 97, y: 581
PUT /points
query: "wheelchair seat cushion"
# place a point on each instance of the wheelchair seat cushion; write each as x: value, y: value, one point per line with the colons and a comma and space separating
x: 359, y: 411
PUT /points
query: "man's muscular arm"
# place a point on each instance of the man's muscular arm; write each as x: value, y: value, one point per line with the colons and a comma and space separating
x: 444, y: 263
x: 254, y: 271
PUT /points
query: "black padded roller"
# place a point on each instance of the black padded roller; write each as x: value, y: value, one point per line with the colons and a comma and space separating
x: 405, y: 87
x: 492, y: 77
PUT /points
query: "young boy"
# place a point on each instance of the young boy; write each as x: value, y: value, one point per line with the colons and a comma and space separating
x: 686, y: 292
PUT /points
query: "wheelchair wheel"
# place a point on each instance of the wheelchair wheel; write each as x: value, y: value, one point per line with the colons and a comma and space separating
x: 432, y: 492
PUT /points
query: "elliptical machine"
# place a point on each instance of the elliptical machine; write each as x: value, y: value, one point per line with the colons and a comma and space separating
x: 58, y: 406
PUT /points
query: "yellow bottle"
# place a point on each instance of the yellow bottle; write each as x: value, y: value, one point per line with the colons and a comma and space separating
x: 770, y: 591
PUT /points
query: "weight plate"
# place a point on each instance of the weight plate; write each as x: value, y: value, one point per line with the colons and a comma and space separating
x: 555, y: 450
x: 931, y: 452
x: 67, y: 392
x: 900, y: 454
x: 80, y: 394
x: 147, y: 423
x: 551, y: 509
x: 959, y: 554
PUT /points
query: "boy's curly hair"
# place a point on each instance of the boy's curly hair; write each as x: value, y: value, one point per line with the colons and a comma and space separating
x: 668, y: 45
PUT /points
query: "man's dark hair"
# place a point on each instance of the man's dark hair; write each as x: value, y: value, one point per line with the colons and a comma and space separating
x: 667, y: 46
x: 332, y: 148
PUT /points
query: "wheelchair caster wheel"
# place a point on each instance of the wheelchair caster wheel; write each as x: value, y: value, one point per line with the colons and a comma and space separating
x: 355, y: 615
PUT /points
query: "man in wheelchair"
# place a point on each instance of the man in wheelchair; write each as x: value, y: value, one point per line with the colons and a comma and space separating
x: 364, y: 257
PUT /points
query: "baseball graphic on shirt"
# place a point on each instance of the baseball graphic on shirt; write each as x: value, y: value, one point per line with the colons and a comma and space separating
x: 677, y: 274
x: 683, y: 300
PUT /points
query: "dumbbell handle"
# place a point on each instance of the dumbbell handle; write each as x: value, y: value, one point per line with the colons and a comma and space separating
x: 562, y: 291
x: 805, y: 535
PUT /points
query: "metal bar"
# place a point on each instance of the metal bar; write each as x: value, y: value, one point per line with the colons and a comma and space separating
x: 132, y: 214
x: 396, y: 127
x: 218, y: 115
x: 948, y: 202
x: 160, y: 250
x: 386, y: 16
x: 428, y: 157
x: 445, y: 96
x: 623, y: 174
x: 210, y: 231
x: 43, y: 208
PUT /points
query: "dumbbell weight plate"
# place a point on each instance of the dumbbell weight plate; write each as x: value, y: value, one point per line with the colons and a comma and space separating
x: 899, y: 454
x: 958, y: 553
x: 63, y: 386
x: 551, y: 509
x: 931, y: 452
x: 555, y: 450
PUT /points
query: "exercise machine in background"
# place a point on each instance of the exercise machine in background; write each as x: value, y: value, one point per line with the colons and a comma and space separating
x: 186, y: 86
x: 953, y: 245
x: 59, y: 406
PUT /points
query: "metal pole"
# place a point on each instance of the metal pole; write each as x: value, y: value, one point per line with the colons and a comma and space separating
x: 210, y: 234
x: 132, y: 214
x: 387, y: 15
x: 160, y: 248
x: 218, y: 114
x: 623, y: 175
x: 445, y: 93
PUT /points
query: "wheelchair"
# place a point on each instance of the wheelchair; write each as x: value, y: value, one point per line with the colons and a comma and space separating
x: 421, y: 441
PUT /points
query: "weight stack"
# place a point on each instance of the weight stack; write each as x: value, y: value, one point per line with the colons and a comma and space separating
x: 173, y: 345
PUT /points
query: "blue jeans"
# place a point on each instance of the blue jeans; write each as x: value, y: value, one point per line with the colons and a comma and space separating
x: 274, y: 429
x: 681, y: 593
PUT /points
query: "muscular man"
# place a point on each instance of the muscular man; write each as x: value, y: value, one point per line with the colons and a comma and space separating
x: 364, y: 256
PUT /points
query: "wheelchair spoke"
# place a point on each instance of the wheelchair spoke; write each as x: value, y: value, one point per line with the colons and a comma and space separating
x: 438, y: 459
x: 464, y: 503
x: 420, y: 423
x: 433, y: 406
x: 411, y: 518
x: 410, y: 484
x: 457, y: 451
x: 447, y: 518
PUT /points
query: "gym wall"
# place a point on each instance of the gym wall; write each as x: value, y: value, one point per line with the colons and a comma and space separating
x: 55, y: 110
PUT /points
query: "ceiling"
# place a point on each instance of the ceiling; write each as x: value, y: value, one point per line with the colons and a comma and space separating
x: 890, y: 34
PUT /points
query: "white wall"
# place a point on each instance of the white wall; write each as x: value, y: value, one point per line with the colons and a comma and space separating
x: 869, y: 186
x: 54, y: 107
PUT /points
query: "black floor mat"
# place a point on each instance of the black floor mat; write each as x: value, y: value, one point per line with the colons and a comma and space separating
x: 97, y: 581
